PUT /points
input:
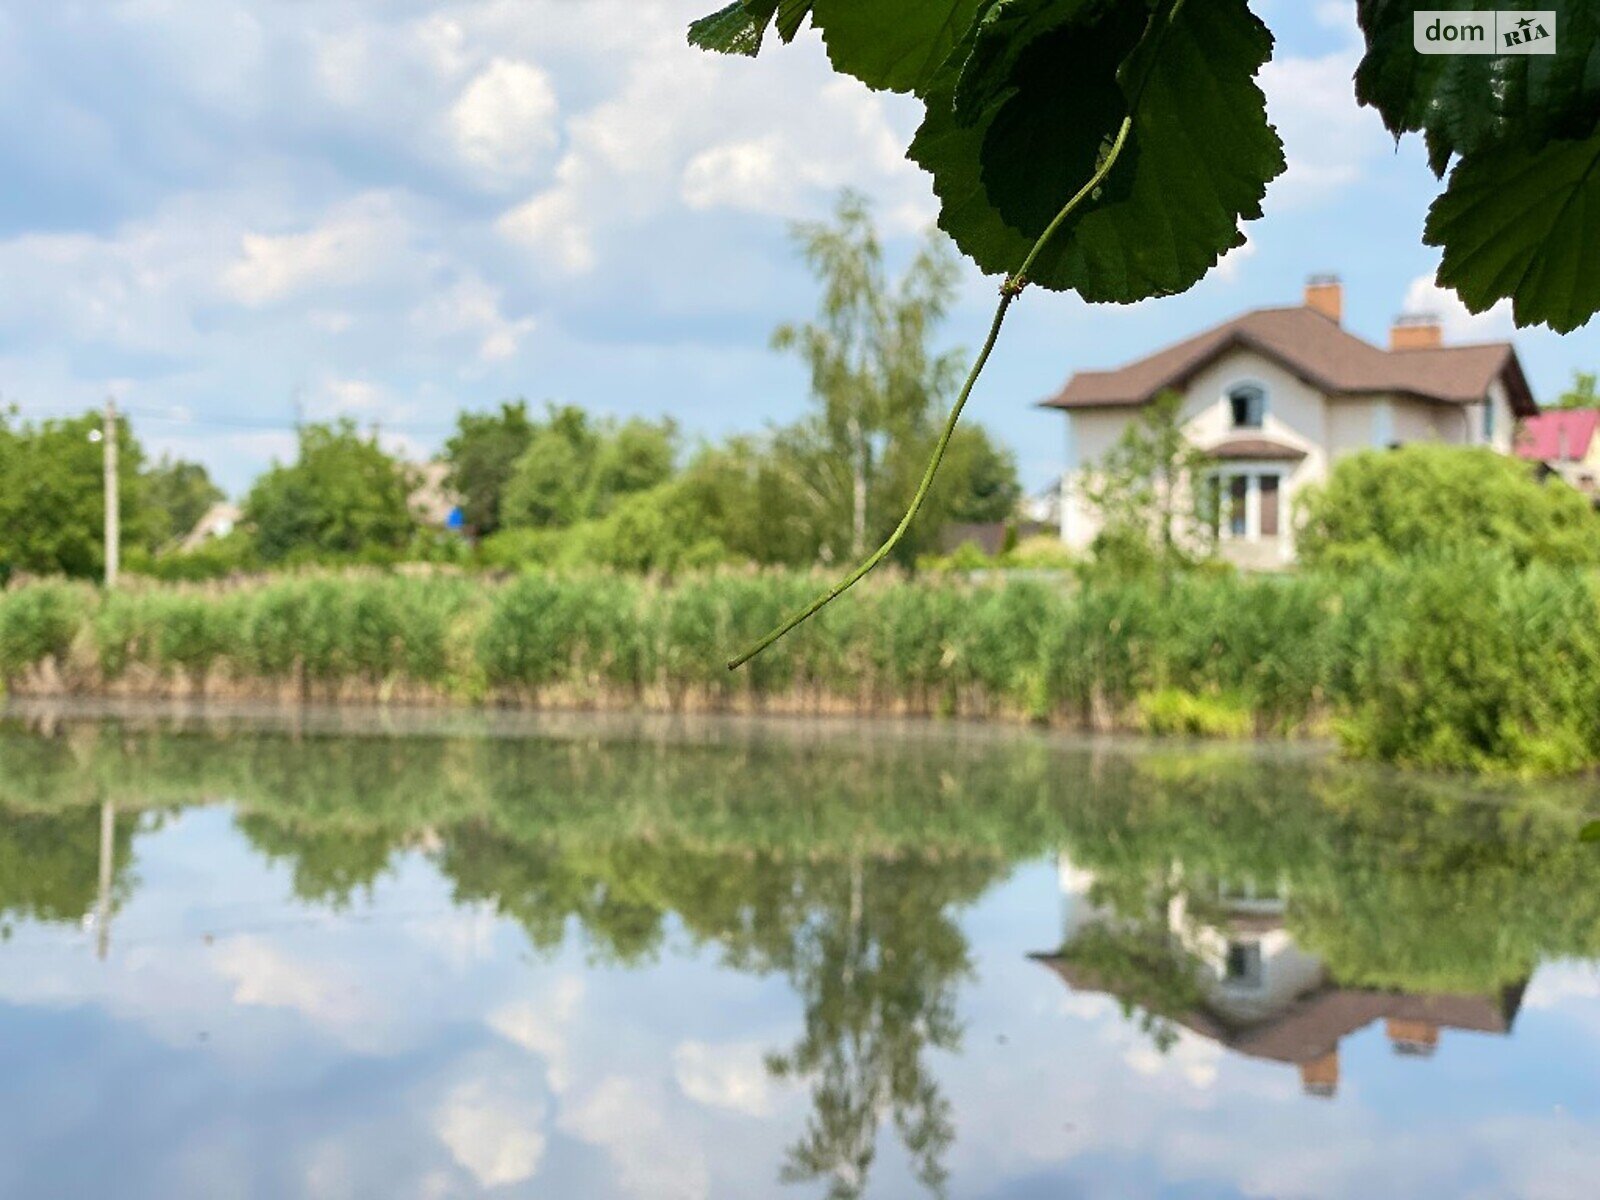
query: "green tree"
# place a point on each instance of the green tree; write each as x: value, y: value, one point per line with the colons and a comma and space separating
x: 52, y: 495
x: 634, y: 456
x: 1382, y: 505
x: 343, y: 495
x: 482, y: 454
x: 754, y: 499
x: 549, y: 487
x: 1582, y: 394
x: 874, y: 377
x: 1152, y: 492
x: 977, y: 483
x: 576, y: 468
x: 176, y: 494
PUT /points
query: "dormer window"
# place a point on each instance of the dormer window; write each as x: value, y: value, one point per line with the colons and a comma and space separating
x: 1248, y: 404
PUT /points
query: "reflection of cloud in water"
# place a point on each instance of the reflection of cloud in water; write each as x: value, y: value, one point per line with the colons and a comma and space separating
x: 264, y: 976
x: 493, y: 1131
x: 541, y: 1026
x: 652, y: 1161
x: 1194, y: 1059
x: 1559, y: 983
x: 731, y: 1076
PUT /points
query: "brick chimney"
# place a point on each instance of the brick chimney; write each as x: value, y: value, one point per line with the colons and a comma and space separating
x: 1418, y: 1038
x: 1320, y: 1076
x: 1416, y: 331
x: 1325, y: 294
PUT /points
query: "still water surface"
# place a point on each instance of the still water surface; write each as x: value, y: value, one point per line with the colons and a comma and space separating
x: 571, y: 957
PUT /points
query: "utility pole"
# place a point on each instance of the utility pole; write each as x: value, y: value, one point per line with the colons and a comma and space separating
x: 108, y: 438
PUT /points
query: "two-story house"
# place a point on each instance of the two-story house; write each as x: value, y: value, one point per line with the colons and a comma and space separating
x: 1276, y: 396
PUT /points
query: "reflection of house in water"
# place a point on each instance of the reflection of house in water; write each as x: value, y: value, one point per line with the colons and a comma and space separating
x: 1259, y: 994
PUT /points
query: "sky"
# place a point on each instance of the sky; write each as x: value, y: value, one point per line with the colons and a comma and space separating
x: 225, y: 212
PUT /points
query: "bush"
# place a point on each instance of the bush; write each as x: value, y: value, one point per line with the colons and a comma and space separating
x: 1467, y: 664
x: 1383, y: 505
x: 39, y: 622
x: 1175, y: 712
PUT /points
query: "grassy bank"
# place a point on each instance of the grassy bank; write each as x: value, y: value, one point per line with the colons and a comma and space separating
x: 1458, y: 663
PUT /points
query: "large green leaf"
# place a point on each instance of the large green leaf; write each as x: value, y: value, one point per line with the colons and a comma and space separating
x: 893, y: 44
x: 1466, y: 102
x: 1199, y: 158
x: 1525, y: 224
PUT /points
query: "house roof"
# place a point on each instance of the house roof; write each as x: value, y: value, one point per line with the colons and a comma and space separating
x: 1319, y: 351
x: 1255, y: 449
x: 1561, y: 435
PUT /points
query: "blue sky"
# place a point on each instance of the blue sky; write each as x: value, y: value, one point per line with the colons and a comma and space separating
x: 393, y: 209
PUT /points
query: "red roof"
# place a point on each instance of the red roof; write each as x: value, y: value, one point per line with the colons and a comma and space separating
x: 1561, y: 435
x: 1317, y: 350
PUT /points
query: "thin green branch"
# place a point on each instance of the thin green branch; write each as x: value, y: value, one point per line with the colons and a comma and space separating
x: 1009, y: 291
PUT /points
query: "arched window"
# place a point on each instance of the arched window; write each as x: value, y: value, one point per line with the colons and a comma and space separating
x: 1248, y: 404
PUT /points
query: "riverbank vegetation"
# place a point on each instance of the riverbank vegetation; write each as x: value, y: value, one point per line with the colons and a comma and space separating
x: 1465, y: 661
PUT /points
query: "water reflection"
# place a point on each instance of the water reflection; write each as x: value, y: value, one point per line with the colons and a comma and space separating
x: 1271, y: 905
x: 1219, y: 959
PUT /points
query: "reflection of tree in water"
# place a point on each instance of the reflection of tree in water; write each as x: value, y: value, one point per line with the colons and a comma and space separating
x: 50, y: 865
x: 876, y: 964
x: 866, y: 940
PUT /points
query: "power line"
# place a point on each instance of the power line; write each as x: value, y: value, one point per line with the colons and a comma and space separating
x: 181, y: 417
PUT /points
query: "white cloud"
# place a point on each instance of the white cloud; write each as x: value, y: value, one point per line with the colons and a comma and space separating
x: 339, y: 252
x: 471, y: 308
x: 1423, y: 295
x: 492, y: 1132
x: 553, y: 225
x: 504, y: 123
x: 1328, y: 140
x: 1233, y: 262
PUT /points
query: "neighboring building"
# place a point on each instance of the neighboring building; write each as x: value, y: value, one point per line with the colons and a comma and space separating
x: 1278, y: 395
x: 220, y: 520
x: 1567, y: 442
x: 1264, y: 997
x: 432, y: 501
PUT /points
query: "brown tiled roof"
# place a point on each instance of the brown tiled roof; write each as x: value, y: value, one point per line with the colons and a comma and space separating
x: 1317, y: 350
x: 1255, y: 449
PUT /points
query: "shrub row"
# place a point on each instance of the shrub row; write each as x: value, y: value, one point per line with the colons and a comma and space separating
x: 1464, y: 662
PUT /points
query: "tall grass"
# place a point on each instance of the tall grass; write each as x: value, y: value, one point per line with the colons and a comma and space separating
x: 1464, y: 662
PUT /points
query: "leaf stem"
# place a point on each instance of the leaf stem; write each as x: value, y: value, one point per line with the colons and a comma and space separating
x: 1009, y: 291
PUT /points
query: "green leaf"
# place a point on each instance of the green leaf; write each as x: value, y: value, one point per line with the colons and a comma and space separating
x: 1590, y: 832
x: 989, y: 56
x: 1524, y: 224
x: 1467, y: 102
x: 1199, y: 157
x: 791, y: 15
x: 896, y: 45
x: 731, y: 30
x: 741, y: 27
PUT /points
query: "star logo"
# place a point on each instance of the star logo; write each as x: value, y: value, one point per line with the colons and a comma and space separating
x: 1524, y: 23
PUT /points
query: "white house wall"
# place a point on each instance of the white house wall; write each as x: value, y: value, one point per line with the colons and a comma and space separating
x: 1294, y: 416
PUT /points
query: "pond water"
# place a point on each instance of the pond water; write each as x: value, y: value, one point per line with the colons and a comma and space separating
x: 438, y: 956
